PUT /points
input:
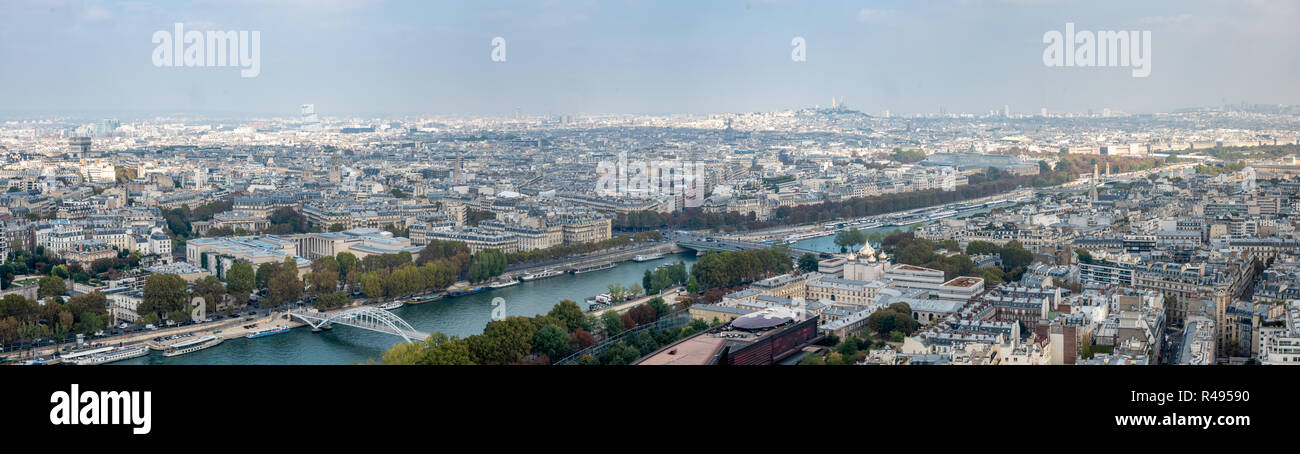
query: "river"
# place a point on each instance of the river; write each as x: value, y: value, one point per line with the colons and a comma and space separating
x: 461, y: 316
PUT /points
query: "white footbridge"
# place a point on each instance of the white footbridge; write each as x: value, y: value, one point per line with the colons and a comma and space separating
x: 365, y: 317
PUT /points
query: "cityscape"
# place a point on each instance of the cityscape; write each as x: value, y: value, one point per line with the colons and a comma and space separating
x: 833, y: 225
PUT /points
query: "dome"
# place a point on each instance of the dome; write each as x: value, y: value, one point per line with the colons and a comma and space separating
x: 867, y: 249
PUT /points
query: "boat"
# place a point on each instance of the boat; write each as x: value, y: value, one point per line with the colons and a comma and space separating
x: 468, y: 291
x: 193, y: 345
x: 806, y: 235
x: 426, y: 299
x: 392, y: 305
x: 105, y: 355
x: 647, y: 257
x: 503, y: 284
x: 268, y: 332
x: 542, y: 274
x: 593, y: 268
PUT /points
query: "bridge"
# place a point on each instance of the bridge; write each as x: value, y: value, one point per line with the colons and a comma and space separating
x: 365, y: 317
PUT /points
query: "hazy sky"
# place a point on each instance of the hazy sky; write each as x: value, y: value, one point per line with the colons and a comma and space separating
x: 633, y: 56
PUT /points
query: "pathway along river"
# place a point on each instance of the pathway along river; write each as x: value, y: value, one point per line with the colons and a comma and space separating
x: 461, y: 316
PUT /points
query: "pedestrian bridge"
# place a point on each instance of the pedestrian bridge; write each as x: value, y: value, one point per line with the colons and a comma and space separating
x: 365, y: 317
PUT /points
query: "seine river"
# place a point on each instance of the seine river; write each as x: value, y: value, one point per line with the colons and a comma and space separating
x: 461, y: 316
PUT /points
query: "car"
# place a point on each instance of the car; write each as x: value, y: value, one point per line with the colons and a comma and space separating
x: 249, y: 319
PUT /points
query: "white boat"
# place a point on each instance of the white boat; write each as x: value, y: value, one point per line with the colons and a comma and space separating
x: 647, y: 257
x: 105, y: 355
x: 502, y: 284
x: 391, y: 305
x: 806, y: 235
x: 541, y: 275
x: 268, y: 332
x: 193, y: 345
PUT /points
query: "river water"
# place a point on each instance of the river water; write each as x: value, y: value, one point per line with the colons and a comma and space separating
x: 461, y: 316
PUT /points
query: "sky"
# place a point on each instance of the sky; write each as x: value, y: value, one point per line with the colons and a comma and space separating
x: 398, y: 58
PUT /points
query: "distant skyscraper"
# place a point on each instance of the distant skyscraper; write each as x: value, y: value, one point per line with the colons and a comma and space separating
x: 1006, y: 111
x: 1042, y: 112
x: 310, y: 122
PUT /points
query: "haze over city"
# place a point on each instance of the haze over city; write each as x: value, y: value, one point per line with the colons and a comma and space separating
x: 401, y: 58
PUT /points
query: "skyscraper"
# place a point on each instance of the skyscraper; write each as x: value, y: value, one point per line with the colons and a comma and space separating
x: 310, y: 122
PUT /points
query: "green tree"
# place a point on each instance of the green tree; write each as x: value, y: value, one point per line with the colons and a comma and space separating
x: 553, y: 341
x: 693, y: 285
x: 284, y: 286
x: 808, y: 262
x: 240, y: 280
x: 372, y: 285
x: 264, y: 274
x: 612, y: 323
x: 163, y: 294
x: 570, y: 315
x: 51, y: 286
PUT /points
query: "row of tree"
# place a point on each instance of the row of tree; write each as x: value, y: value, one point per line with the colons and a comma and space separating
x: 24, y: 319
x: 509, y: 340
x: 729, y: 269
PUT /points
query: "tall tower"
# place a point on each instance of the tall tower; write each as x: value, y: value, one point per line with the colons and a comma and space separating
x: 308, y: 172
x: 335, y: 176
x: 1092, y: 192
x: 460, y: 171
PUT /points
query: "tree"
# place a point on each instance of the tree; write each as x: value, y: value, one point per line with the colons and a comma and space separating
x: 1014, y: 256
x: 212, y: 292
x: 503, y: 341
x: 372, y: 285
x: 848, y: 348
x: 437, y: 349
x: 981, y: 247
x: 240, y: 280
x: 346, y: 261
x: 581, y: 339
x: 52, y: 286
x: 551, y: 340
x: 163, y: 294
x: 90, y: 323
x: 617, y: 293
x: 264, y: 274
x: 808, y: 262
x: 612, y: 322
x: 693, y: 285
x: 570, y: 315
x: 284, y: 285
